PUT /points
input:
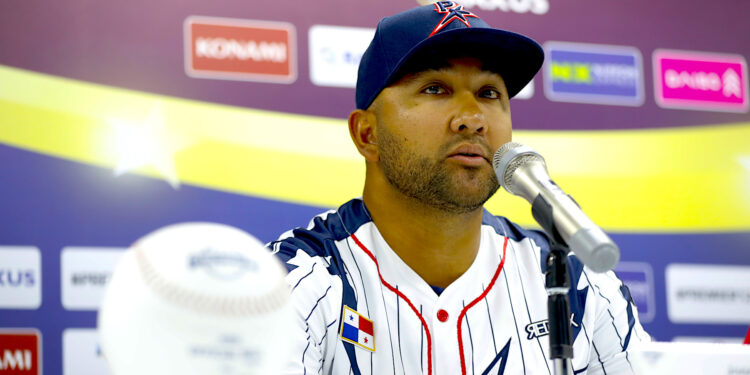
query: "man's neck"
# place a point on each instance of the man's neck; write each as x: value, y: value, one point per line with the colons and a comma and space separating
x: 439, y: 246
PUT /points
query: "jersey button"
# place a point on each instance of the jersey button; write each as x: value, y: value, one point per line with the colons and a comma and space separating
x: 442, y: 315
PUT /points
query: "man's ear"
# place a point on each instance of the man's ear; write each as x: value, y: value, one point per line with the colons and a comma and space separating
x: 362, y: 130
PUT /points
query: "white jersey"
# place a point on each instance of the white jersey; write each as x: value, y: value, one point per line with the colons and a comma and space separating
x: 362, y: 310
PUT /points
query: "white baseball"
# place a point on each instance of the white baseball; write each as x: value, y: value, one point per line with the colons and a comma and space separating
x: 196, y: 298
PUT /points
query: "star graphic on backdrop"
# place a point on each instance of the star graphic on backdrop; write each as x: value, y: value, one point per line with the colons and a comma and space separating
x: 365, y: 340
x: 146, y: 145
x: 745, y: 161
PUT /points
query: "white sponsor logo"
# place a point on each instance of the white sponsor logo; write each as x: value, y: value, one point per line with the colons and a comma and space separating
x: 615, y: 74
x: 84, y: 274
x: 221, y: 48
x: 516, y: 6
x: 20, y: 277
x: 237, y: 49
x: 15, y: 360
x: 335, y: 52
x: 729, y: 83
x: 20, y: 351
x: 708, y: 294
x: 82, y: 353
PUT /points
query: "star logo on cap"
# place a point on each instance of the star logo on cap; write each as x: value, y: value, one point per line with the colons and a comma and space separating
x: 451, y: 12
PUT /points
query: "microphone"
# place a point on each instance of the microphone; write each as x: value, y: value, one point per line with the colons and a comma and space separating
x: 522, y: 172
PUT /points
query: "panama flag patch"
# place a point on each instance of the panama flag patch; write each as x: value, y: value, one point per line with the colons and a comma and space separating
x: 357, y: 329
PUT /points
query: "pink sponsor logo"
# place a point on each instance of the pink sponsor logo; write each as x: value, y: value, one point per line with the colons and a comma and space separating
x: 701, y: 81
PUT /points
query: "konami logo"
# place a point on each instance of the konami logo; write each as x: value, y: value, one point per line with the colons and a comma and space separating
x: 701, y: 81
x: 20, y: 352
x: 225, y: 48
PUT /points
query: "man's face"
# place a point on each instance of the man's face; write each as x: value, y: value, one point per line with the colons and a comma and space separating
x: 437, y: 131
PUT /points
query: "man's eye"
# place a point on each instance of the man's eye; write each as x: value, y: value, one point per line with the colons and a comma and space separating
x: 434, y: 89
x: 490, y: 94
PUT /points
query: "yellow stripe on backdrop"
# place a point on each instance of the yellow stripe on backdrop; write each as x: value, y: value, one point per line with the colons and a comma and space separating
x: 682, y: 180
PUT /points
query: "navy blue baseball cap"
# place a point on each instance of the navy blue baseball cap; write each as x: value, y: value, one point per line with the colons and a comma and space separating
x: 443, y: 30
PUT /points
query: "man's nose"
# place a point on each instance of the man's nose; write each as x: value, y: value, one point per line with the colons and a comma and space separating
x: 468, y: 117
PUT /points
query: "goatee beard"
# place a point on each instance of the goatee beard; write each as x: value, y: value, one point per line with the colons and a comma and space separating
x: 432, y: 183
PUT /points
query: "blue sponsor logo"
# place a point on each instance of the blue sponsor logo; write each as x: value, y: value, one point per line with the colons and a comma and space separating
x: 334, y: 57
x: 638, y: 277
x: 589, y: 73
x: 17, y: 278
x: 223, y: 265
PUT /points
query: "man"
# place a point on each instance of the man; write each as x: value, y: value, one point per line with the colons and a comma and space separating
x: 415, y: 277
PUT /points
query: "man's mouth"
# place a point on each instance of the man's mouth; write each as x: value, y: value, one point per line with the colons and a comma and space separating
x: 470, y: 155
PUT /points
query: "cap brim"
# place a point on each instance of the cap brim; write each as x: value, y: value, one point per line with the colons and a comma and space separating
x: 515, y: 57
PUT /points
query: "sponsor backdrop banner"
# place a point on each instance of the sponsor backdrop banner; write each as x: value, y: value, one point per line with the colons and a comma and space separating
x: 117, y: 118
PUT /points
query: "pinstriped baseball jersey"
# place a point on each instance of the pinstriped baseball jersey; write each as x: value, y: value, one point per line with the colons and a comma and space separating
x: 491, y: 320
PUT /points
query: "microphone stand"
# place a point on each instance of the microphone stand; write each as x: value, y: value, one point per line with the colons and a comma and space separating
x: 557, y: 284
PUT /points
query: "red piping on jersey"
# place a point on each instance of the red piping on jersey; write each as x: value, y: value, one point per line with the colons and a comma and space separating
x: 402, y: 296
x: 474, y: 302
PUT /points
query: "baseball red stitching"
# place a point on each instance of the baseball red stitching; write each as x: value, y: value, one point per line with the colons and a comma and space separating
x: 272, y: 301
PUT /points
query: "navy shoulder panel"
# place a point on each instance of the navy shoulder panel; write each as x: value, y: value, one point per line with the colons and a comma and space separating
x: 319, y: 240
x: 515, y: 232
x: 322, y: 233
x: 502, y: 225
